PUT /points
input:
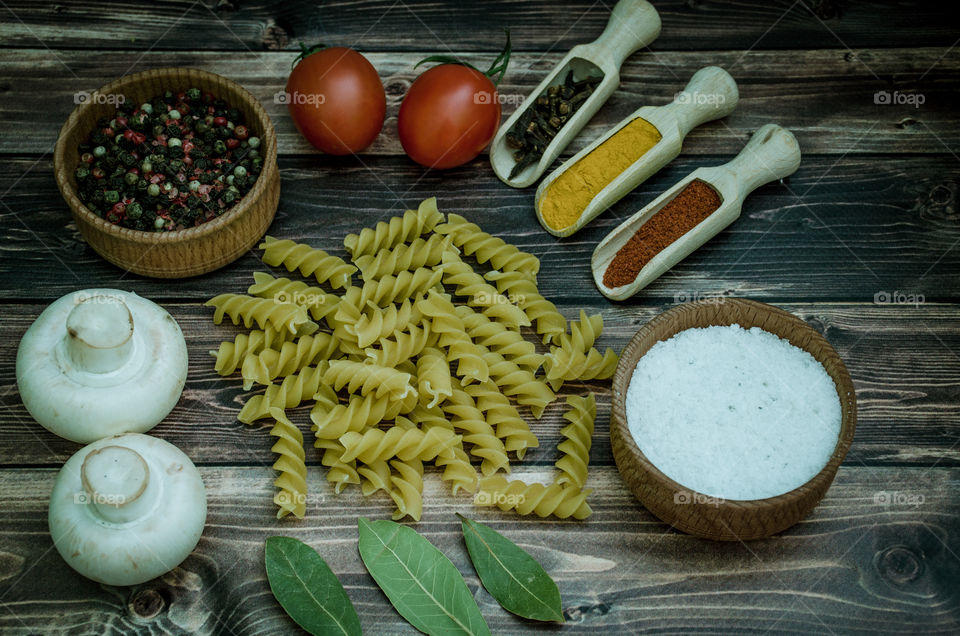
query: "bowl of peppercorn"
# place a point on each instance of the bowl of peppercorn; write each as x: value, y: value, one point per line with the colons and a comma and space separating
x: 170, y: 172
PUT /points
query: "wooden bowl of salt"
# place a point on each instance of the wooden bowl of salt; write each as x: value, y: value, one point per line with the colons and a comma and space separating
x: 700, y: 478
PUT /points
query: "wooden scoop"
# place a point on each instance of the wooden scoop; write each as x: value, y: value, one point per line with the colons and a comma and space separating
x: 633, y: 24
x: 772, y: 153
x: 710, y: 94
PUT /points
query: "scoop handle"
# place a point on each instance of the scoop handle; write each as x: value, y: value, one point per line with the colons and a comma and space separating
x: 710, y: 94
x: 633, y: 24
x: 772, y: 153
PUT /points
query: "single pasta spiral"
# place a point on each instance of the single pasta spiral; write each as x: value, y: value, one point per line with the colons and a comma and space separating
x: 458, y: 471
x: 480, y: 293
x: 487, y: 248
x: 503, y: 416
x: 309, y: 261
x: 283, y: 290
x: 390, y: 289
x: 405, y: 256
x: 549, y: 322
x: 402, y: 345
x: 561, y: 365
x: 578, y: 434
x: 332, y: 419
x: 291, y: 481
x: 231, y: 353
x: 365, y: 378
x: 494, y: 336
x: 287, y: 395
x: 465, y: 416
x: 369, y: 324
x: 400, y: 229
x: 407, y: 491
x: 338, y: 473
x: 433, y: 377
x: 519, y: 383
x: 266, y: 313
x: 561, y: 501
x: 402, y: 442
x: 270, y: 364
x: 375, y: 476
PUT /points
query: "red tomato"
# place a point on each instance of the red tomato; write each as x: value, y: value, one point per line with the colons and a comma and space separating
x: 448, y: 116
x: 336, y: 100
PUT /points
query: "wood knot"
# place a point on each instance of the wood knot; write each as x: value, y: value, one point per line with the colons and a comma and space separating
x: 275, y: 37
x: 579, y: 613
x: 906, y: 122
x: 227, y: 6
x: 898, y: 564
x: 146, y: 604
x: 396, y: 88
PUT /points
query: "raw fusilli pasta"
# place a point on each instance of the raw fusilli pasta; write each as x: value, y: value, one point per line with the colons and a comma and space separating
x: 503, y: 416
x: 291, y: 496
x: 365, y: 377
x: 402, y: 442
x: 433, y: 377
x: 561, y: 501
x: 400, y: 229
x: 309, y: 261
x: 467, y: 417
x: 549, y: 322
x: 402, y: 345
x: 338, y: 473
x: 270, y: 364
x: 287, y: 395
x: 487, y: 248
x: 480, y: 293
x: 283, y: 290
x: 266, y: 313
x: 332, y: 419
x: 405, y: 256
x: 578, y: 434
x: 407, y: 490
x: 231, y: 353
x: 496, y: 337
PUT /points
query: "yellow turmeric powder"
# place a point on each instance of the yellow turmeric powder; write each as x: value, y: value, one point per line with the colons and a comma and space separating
x: 570, y: 193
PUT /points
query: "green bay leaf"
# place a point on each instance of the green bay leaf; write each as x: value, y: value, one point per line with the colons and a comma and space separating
x: 512, y: 576
x: 420, y: 581
x: 307, y: 588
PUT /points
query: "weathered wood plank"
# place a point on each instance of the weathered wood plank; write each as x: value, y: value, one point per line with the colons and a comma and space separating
x: 858, y: 564
x: 903, y: 362
x: 825, y: 96
x: 385, y: 25
x: 857, y: 226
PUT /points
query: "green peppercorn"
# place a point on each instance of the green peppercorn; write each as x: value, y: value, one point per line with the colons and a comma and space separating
x: 219, y: 147
x: 147, y: 108
x: 111, y: 196
x: 146, y: 166
x: 201, y: 127
x: 229, y: 196
x: 193, y: 93
x: 194, y: 185
x: 254, y: 142
x: 174, y: 114
x: 131, y: 178
x: 99, y: 151
x: 82, y: 172
x: 134, y: 210
x: 159, y: 222
x: 153, y: 190
x: 240, y: 171
x: 173, y: 142
x: 159, y: 130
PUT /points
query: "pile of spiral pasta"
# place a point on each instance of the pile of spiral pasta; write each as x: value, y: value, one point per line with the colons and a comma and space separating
x: 420, y: 361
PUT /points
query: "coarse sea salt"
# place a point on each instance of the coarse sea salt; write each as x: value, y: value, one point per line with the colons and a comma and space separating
x: 733, y: 413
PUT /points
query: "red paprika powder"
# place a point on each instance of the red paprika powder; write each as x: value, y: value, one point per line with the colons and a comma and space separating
x: 681, y: 214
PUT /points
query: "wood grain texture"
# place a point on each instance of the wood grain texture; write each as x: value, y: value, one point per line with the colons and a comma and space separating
x: 870, y: 558
x: 842, y: 229
x: 830, y: 92
x: 241, y: 25
x: 903, y: 364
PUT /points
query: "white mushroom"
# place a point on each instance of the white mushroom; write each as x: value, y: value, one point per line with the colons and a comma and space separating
x: 101, y: 362
x: 127, y: 509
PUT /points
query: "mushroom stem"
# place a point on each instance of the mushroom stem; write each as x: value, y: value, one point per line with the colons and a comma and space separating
x: 117, y: 484
x: 99, y: 334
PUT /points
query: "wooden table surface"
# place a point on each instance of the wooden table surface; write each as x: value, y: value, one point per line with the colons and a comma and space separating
x: 862, y: 242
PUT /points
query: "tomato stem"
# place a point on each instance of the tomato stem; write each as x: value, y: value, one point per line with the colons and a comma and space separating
x: 497, y: 68
x: 305, y: 51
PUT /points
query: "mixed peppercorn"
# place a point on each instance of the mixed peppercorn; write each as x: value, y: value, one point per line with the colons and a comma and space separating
x: 171, y: 163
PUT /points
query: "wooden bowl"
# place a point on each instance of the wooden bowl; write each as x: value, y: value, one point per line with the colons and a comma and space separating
x: 180, y: 253
x: 698, y: 514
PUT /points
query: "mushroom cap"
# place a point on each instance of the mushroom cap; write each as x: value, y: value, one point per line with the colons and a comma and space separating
x: 130, y: 552
x: 83, y: 403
